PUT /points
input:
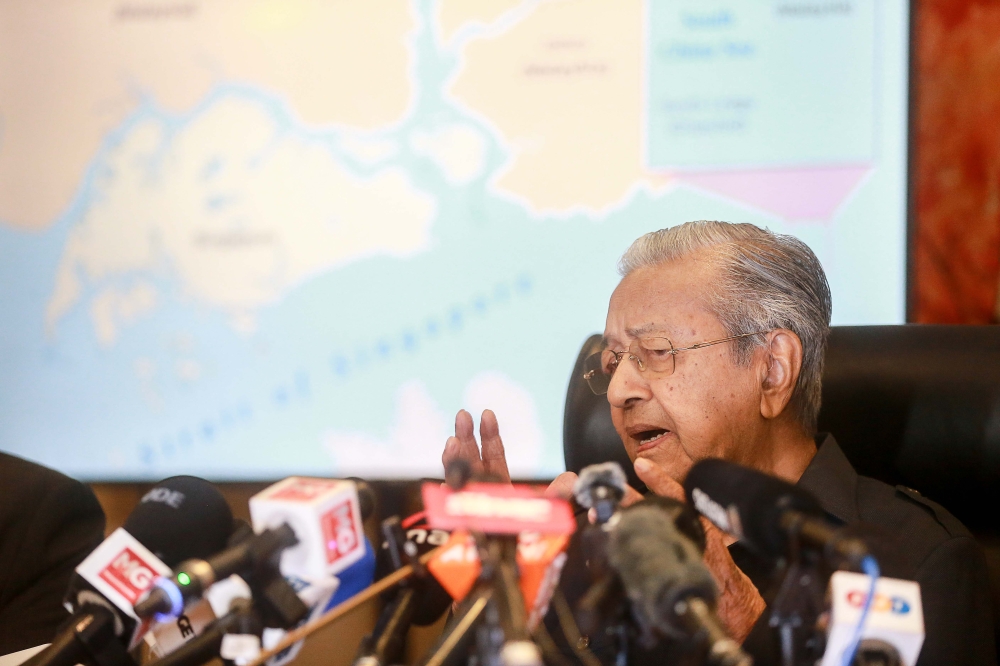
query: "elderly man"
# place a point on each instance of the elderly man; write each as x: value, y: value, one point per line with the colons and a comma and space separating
x: 715, y: 339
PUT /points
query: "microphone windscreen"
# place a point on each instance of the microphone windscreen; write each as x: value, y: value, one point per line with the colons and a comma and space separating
x: 608, y: 474
x: 657, y: 564
x: 746, y: 503
x: 180, y: 518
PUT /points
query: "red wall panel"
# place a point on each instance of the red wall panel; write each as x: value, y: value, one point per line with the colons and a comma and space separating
x: 956, y: 234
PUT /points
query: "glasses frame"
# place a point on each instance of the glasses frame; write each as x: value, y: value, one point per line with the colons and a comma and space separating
x: 590, y: 374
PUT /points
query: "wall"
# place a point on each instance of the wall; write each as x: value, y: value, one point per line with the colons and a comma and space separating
x: 956, y: 236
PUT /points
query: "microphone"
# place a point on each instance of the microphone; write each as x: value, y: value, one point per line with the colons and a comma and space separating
x: 672, y: 593
x: 208, y: 614
x: 169, y: 595
x: 332, y: 559
x: 325, y: 516
x: 601, y: 487
x: 516, y: 530
x: 180, y: 517
x: 768, y: 514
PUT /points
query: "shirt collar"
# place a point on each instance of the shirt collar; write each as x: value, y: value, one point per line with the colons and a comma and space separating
x: 831, y: 478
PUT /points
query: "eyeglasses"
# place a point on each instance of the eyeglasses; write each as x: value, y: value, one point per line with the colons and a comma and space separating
x: 655, y: 355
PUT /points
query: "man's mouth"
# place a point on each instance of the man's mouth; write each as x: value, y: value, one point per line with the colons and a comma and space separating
x: 647, y: 439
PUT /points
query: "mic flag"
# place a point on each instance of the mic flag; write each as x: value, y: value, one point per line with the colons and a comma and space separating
x: 540, y: 559
x: 496, y: 508
x: 325, y: 515
x: 896, y: 616
x: 121, y: 569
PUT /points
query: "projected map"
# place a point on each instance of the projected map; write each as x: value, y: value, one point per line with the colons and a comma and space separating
x: 245, y: 239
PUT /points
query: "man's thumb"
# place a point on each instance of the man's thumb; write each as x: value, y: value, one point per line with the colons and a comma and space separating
x: 657, y: 480
x: 562, y: 486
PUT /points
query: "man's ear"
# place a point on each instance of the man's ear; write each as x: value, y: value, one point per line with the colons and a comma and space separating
x: 781, y: 374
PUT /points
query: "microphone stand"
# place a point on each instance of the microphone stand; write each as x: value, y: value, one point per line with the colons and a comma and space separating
x: 797, y: 607
x: 493, y: 614
x: 494, y: 609
x: 605, y: 598
x: 385, y: 644
x: 89, y: 639
x: 458, y: 635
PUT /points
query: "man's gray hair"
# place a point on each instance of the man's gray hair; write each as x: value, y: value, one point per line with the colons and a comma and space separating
x: 766, y: 281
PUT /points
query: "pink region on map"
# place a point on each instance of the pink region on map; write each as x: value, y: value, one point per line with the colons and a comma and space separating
x: 794, y: 194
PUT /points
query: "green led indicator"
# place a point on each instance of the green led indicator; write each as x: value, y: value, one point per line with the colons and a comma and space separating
x: 183, y: 578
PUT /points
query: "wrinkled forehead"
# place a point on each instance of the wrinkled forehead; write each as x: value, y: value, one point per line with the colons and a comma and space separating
x: 670, y: 299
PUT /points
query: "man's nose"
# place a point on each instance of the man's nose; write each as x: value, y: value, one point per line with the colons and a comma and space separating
x: 628, y: 384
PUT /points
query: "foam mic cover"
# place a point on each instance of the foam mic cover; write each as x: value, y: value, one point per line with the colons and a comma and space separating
x: 607, y: 475
x: 180, y: 518
x: 601, y: 488
x: 432, y: 600
x: 658, y: 566
x: 747, y: 504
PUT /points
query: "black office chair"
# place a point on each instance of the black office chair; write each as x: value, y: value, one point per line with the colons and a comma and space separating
x: 913, y: 405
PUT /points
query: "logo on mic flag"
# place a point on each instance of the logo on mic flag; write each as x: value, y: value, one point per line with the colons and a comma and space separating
x: 122, y: 570
x: 496, y: 508
x: 326, y: 517
x: 129, y: 575
x: 339, y: 531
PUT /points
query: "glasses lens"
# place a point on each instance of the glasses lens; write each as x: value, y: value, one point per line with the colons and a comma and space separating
x: 657, y: 354
x: 597, y: 371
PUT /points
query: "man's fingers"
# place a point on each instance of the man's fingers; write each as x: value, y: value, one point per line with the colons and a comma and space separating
x: 562, y: 486
x: 452, y: 451
x: 494, y: 459
x: 631, y: 496
x: 657, y: 480
x: 465, y: 434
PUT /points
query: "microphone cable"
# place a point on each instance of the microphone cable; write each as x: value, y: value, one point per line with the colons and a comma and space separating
x: 870, y: 566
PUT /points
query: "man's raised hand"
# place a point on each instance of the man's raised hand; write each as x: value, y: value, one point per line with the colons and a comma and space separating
x: 491, y: 461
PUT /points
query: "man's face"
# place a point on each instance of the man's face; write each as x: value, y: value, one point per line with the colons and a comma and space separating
x: 709, y: 406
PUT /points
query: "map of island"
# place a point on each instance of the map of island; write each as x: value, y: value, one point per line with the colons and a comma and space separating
x: 563, y: 88
x: 239, y: 211
x: 338, y: 63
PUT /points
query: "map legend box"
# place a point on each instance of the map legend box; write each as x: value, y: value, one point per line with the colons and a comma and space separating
x: 760, y: 84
